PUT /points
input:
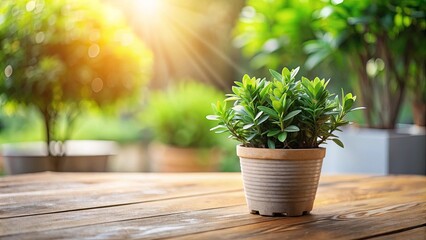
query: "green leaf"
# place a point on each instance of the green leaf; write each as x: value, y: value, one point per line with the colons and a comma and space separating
x: 236, y: 90
x: 268, y: 111
x: 221, y: 131
x: 277, y: 106
x: 294, y: 72
x: 247, y: 126
x: 357, y: 108
x: 271, y: 144
x: 292, y: 128
x: 282, y: 137
x: 234, y: 98
x: 245, y: 80
x: 258, y: 115
x: 331, y: 113
x: 265, y: 90
x: 277, y: 92
x: 263, y: 119
x: 213, y: 117
x: 285, y: 72
x: 273, y: 132
x: 218, y: 127
x: 291, y: 114
x: 249, y: 111
x: 348, y: 104
x: 251, y: 137
x: 240, y: 84
x: 338, y: 142
x: 276, y: 75
x: 318, y: 50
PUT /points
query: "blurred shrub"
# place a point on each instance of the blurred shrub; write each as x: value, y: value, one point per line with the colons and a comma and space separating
x: 177, y: 116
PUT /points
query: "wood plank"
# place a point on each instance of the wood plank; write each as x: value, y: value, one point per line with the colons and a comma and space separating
x: 235, y: 223
x: 372, y: 187
x: 72, y: 191
x: 359, y: 219
x: 351, y: 191
x: 52, y: 180
x: 118, y: 213
x: 115, y: 193
x: 418, y: 233
x: 153, y: 227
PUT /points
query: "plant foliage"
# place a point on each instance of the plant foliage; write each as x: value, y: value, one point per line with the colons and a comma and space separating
x: 177, y: 115
x: 272, y: 32
x: 383, y: 42
x: 283, y: 112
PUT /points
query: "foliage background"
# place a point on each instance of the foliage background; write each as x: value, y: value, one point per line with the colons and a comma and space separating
x: 215, y: 42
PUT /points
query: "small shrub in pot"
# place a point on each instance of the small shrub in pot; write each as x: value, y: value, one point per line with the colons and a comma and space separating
x: 182, y: 140
x: 281, y: 124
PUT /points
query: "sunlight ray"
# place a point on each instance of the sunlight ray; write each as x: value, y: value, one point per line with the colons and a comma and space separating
x: 193, y: 33
x: 198, y: 59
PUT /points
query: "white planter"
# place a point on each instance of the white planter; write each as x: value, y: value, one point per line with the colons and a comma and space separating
x: 377, y: 151
x: 130, y: 157
x: 81, y: 156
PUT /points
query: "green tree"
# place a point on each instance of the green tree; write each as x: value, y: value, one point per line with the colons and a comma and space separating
x: 383, y: 43
x: 63, y: 57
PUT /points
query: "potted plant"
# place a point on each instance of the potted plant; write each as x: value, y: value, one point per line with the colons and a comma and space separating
x: 281, y: 125
x: 62, y: 58
x: 384, y: 45
x: 382, y: 42
x: 182, y: 141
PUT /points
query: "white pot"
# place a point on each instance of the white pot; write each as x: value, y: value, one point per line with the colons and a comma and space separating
x: 80, y: 156
x: 378, y: 151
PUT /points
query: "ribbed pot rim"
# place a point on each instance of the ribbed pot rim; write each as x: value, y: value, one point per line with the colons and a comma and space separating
x: 280, y: 154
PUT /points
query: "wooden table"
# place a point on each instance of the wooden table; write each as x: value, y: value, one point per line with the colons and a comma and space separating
x: 203, y: 206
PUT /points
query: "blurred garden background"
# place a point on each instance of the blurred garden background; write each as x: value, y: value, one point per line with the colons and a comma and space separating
x: 144, y: 72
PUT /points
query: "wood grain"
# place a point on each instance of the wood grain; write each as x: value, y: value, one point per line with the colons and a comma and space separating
x: 418, y: 233
x: 341, y: 221
x: 106, y: 192
x: 233, y: 222
x: 202, y: 206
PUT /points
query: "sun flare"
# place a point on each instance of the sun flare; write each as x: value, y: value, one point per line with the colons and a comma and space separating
x: 149, y: 7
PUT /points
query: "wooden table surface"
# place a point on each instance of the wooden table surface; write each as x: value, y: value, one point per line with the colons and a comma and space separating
x: 203, y: 206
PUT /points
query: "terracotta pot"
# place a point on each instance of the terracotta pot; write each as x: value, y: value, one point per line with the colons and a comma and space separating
x: 280, y: 182
x: 164, y: 158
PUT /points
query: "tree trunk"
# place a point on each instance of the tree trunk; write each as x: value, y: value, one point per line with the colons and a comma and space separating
x: 47, y: 130
x: 48, y: 121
